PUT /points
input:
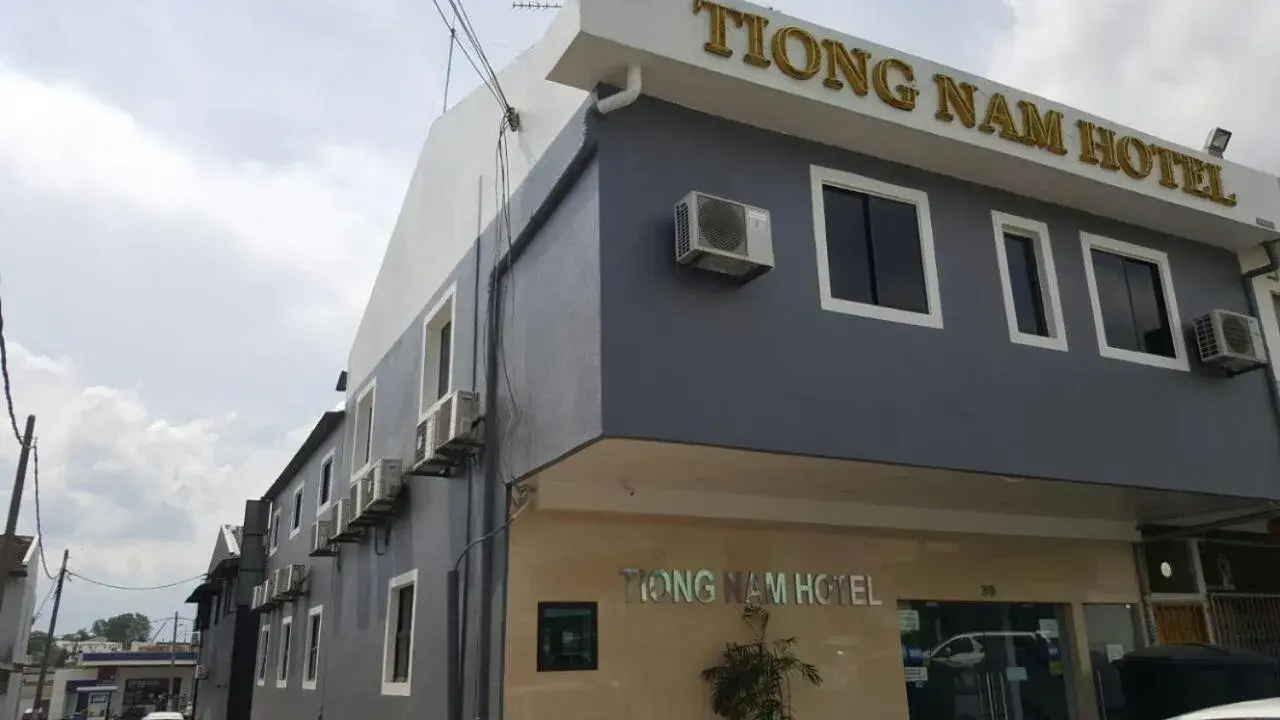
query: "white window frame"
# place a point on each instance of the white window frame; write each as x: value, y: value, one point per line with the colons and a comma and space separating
x: 283, y: 651
x: 328, y: 459
x: 263, y: 657
x: 1090, y: 241
x: 388, y: 642
x: 369, y: 391
x: 316, y: 611
x: 431, y: 324
x: 822, y: 176
x: 295, y: 510
x: 274, y: 530
x: 1038, y: 233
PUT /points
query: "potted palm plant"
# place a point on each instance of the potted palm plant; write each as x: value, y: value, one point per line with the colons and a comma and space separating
x: 753, y: 679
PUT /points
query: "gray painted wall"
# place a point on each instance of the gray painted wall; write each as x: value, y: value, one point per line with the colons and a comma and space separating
x: 551, y: 350
x: 763, y: 366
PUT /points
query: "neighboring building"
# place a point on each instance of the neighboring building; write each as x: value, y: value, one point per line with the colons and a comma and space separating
x: 143, y: 681
x: 938, y: 386
x: 227, y: 626
x: 15, y: 622
x: 75, y: 648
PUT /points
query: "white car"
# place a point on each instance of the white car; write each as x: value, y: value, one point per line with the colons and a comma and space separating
x: 163, y: 715
x: 1248, y: 710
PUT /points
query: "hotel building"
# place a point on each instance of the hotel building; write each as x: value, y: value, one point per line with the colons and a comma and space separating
x: 969, y: 387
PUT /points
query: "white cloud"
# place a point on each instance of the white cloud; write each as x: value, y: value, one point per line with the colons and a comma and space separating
x: 1172, y: 68
x: 320, y: 223
x: 136, y: 498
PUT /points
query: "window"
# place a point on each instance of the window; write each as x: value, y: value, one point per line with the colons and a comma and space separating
x: 875, y: 249
x: 363, y: 452
x: 273, y: 528
x: 326, y: 483
x: 567, y: 636
x: 311, y: 663
x: 282, y: 659
x: 397, y: 661
x: 437, y: 353
x: 264, y: 642
x: 1134, y: 308
x: 1029, y: 282
x: 228, y: 594
x: 295, y: 520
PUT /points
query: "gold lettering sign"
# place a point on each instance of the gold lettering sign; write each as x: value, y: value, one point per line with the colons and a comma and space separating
x: 802, y: 56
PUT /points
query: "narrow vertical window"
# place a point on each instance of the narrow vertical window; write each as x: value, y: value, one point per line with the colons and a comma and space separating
x: 1028, y: 282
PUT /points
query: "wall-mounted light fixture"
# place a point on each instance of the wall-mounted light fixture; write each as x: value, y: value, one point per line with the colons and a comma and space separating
x: 1217, y: 142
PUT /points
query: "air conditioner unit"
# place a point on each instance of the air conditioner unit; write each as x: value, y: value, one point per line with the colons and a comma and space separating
x: 292, y: 579
x: 379, y: 488
x: 723, y: 236
x: 257, y: 597
x: 268, y: 591
x: 342, y: 529
x: 1230, y: 340
x: 356, y: 494
x: 278, y: 587
x: 202, y: 672
x: 447, y: 433
x: 322, y: 537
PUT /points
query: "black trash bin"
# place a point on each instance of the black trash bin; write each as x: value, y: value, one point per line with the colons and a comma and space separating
x: 1164, y: 681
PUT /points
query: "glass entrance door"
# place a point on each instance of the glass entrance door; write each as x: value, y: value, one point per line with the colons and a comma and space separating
x: 1113, y: 632
x: 983, y: 661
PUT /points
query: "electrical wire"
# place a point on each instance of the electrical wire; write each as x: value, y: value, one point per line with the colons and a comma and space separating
x: 40, y: 607
x: 494, y: 89
x: 165, y: 586
x: 35, y: 484
x: 469, y: 31
x: 4, y: 372
x: 35, y: 446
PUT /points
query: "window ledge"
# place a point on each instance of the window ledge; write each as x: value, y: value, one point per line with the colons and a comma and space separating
x: 877, y: 312
x: 1039, y: 341
x: 308, y: 685
x: 399, y: 689
x: 1141, y: 358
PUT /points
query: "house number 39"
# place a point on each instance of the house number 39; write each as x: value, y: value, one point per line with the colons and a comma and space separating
x: 988, y: 590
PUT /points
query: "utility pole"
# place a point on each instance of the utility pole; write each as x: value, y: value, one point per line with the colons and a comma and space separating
x: 48, y: 644
x: 15, y: 505
x: 172, y: 702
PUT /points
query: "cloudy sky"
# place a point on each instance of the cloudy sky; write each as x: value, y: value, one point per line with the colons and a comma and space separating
x: 195, y: 196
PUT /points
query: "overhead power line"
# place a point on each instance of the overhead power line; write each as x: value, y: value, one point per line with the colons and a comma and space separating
x: 165, y: 586
x: 35, y: 449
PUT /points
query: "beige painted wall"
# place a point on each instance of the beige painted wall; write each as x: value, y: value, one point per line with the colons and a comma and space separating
x: 651, y: 654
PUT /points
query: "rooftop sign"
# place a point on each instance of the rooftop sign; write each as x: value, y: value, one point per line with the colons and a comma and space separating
x: 800, y: 55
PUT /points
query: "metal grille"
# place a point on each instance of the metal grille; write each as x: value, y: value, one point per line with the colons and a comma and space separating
x: 721, y: 224
x: 1247, y: 622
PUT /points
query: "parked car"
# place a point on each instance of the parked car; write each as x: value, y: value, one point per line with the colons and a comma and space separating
x: 1249, y: 710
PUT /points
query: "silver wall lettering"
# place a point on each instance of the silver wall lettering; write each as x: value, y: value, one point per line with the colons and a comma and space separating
x: 871, y: 592
x: 804, y: 588
x: 822, y: 588
x: 630, y: 583
x: 857, y: 590
x: 682, y: 586
x: 704, y: 585
x: 772, y: 588
x: 659, y: 585
x: 776, y: 584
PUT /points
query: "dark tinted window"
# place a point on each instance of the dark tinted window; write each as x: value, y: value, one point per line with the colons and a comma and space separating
x: 1131, y: 298
x: 1024, y: 284
x: 567, y: 636
x: 404, y: 634
x: 442, y: 372
x: 873, y: 250
x: 326, y: 481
